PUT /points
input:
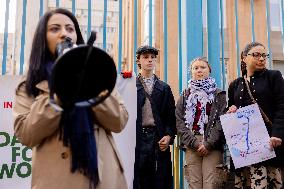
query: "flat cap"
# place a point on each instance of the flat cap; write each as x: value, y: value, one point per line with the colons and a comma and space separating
x: 146, y: 49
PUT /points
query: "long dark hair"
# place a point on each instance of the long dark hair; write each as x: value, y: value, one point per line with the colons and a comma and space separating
x: 244, y: 53
x: 40, y: 53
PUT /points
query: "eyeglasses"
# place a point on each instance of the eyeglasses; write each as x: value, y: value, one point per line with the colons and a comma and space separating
x: 258, y: 55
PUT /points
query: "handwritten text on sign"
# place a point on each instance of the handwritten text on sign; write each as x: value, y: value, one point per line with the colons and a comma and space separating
x: 247, y: 136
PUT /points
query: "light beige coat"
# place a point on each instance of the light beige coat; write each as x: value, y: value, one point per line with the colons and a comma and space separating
x: 37, y: 125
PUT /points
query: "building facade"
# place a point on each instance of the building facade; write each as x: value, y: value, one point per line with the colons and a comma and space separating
x: 243, y: 21
x: 23, y: 35
x: 9, y: 52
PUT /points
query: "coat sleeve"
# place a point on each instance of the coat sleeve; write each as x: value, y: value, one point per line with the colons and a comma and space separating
x: 169, y: 116
x: 111, y: 114
x: 278, y: 93
x: 34, y: 118
x: 186, y: 136
x: 216, y: 136
x: 231, y: 94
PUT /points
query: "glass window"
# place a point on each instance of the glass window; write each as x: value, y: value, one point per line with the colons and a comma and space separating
x: 275, y: 16
x: 204, y: 14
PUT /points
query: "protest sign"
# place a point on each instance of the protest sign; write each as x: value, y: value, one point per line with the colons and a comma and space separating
x: 126, y: 140
x: 15, y: 159
x: 247, y: 136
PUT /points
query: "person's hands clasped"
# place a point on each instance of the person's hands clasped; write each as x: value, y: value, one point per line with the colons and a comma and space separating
x: 164, y: 143
x: 202, y: 150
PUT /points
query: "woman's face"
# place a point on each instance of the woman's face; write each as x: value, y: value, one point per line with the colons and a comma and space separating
x: 59, y: 26
x: 199, y: 70
x: 256, y: 59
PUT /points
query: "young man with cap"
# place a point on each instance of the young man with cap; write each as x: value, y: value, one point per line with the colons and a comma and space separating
x: 155, y: 125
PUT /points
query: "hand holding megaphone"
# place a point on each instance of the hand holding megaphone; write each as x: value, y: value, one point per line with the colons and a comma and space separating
x: 64, y: 46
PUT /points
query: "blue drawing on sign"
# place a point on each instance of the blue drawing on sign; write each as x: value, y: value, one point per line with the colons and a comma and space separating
x: 246, y: 114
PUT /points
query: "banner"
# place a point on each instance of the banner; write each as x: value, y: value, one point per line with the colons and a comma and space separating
x: 247, y: 136
x: 126, y: 140
x: 15, y: 159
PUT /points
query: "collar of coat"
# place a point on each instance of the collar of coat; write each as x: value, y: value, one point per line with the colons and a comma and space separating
x: 218, y: 91
x: 43, y: 86
x: 158, y: 84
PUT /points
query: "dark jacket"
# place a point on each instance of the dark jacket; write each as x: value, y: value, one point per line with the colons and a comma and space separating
x: 267, y: 87
x: 163, y: 109
x: 213, y: 134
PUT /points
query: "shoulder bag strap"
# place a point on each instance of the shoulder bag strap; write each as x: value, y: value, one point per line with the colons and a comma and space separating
x: 266, y: 119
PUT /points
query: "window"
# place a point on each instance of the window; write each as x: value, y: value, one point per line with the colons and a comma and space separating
x: 275, y: 16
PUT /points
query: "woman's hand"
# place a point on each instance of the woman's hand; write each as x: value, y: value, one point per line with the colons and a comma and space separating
x: 232, y: 109
x: 202, y: 150
x: 57, y: 100
x: 275, y: 142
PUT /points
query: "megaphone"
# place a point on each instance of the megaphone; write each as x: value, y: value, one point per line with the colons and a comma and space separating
x: 83, y: 75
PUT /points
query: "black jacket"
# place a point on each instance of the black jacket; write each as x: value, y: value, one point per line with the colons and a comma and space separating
x: 163, y: 109
x: 267, y: 87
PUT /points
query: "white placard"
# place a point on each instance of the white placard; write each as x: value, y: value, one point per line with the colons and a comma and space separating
x: 15, y: 159
x: 247, y: 136
x: 126, y: 140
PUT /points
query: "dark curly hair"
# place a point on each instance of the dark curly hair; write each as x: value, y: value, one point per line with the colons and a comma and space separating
x: 244, y: 53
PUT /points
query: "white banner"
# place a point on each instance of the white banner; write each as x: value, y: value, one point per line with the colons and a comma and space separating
x: 247, y: 136
x: 15, y: 159
x: 126, y: 140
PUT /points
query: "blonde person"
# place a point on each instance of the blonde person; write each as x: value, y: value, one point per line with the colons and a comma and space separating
x: 198, y: 125
x: 267, y: 88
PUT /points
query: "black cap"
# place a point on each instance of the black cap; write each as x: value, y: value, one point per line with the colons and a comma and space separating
x: 146, y: 49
